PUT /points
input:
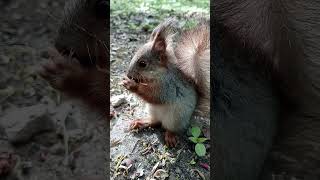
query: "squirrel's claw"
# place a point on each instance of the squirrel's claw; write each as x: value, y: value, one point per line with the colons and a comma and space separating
x: 129, y: 84
x: 139, y: 124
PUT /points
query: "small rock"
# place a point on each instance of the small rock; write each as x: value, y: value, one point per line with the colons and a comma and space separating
x: 172, y: 177
x: 22, y: 124
x: 178, y: 171
x: 73, y: 123
x: 118, y: 100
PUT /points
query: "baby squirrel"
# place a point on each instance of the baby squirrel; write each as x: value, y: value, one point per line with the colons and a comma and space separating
x: 172, y: 80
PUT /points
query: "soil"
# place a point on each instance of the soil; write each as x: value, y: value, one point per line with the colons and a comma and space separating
x: 47, y: 135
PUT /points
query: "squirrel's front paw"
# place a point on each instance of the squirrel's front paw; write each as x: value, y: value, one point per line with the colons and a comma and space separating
x: 129, y: 84
x: 60, y: 70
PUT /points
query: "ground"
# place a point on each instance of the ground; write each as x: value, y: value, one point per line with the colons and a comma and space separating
x: 43, y: 135
x: 142, y: 154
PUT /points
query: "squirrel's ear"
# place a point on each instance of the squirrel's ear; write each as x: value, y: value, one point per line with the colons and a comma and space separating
x: 159, y: 44
x: 165, y: 30
x: 163, y: 34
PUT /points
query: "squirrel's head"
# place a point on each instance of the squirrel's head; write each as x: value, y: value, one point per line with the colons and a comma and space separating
x: 84, y: 32
x: 151, y: 61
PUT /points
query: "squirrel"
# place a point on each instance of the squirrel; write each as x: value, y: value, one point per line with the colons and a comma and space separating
x: 78, y: 61
x: 174, y: 81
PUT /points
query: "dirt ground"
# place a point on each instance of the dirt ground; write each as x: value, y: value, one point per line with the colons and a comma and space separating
x: 46, y: 135
x: 142, y: 154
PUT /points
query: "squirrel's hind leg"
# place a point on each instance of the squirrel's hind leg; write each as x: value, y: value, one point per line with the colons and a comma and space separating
x: 170, y: 138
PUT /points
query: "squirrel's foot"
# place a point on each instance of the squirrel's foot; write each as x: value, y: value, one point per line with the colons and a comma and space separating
x: 143, y: 123
x: 7, y: 163
x: 60, y: 70
x: 170, y: 139
x: 129, y: 84
x: 140, y: 124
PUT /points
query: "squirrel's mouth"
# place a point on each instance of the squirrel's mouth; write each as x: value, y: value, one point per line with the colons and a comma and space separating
x: 140, y: 79
x: 136, y: 80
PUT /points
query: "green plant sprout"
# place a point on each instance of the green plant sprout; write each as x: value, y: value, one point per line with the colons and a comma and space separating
x: 200, y: 149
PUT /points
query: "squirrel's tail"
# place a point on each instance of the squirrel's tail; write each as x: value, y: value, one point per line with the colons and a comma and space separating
x: 193, y: 56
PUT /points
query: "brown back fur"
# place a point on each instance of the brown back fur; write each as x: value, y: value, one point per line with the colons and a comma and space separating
x: 193, y: 56
x: 286, y: 34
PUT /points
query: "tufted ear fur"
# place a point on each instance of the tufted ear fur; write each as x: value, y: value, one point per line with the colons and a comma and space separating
x: 159, y: 44
x: 162, y: 37
x: 166, y: 29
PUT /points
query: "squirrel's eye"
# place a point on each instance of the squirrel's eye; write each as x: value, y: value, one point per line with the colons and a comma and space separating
x: 142, y: 64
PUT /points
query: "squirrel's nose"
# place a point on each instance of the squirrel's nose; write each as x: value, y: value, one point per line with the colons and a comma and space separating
x: 130, y: 74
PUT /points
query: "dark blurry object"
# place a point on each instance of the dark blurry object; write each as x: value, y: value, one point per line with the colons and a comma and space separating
x: 79, y: 66
x: 266, y: 88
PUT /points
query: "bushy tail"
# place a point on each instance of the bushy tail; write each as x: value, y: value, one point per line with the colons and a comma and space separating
x: 193, y: 56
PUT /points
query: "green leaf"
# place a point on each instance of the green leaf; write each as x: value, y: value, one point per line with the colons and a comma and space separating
x: 193, y: 139
x: 195, y: 131
x: 201, y: 140
x: 192, y: 162
x: 200, y: 149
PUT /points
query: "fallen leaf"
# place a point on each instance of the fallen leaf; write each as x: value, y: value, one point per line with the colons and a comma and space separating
x: 205, y: 166
x: 192, y: 162
x: 160, y: 173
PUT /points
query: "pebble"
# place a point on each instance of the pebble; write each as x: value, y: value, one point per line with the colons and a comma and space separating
x: 118, y: 100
